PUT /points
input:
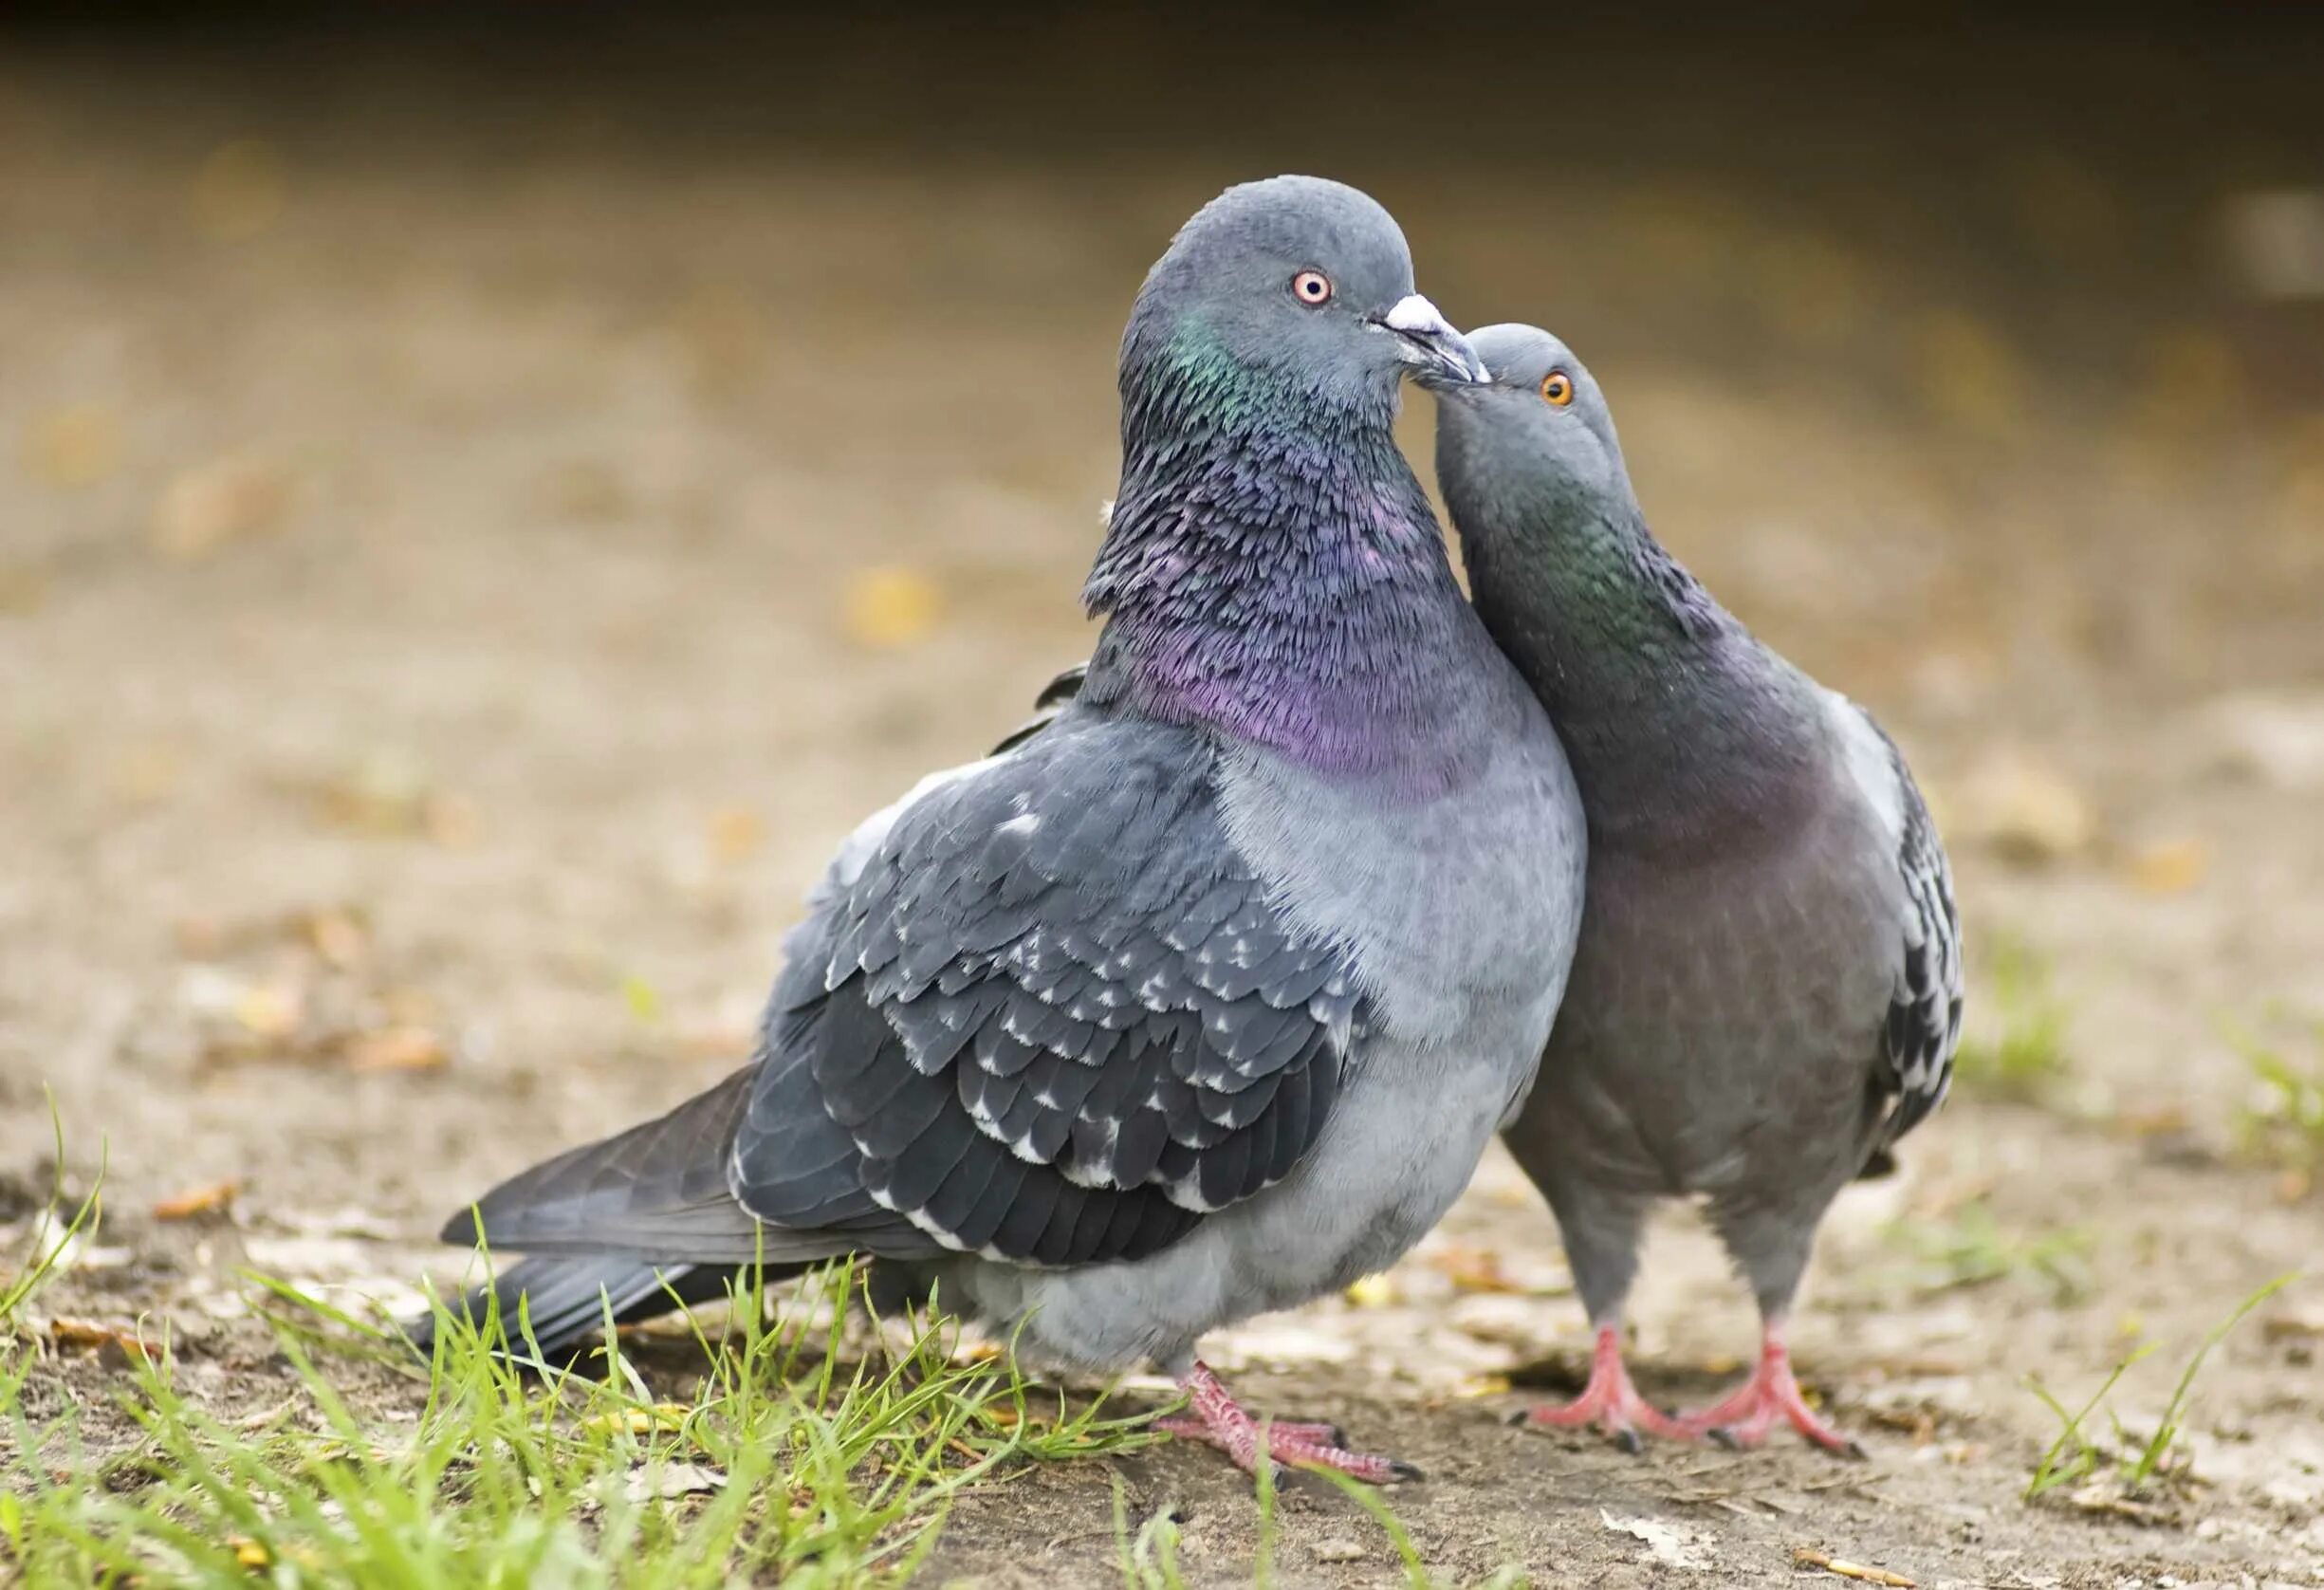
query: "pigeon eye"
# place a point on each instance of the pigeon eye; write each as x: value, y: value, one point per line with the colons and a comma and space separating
x: 1312, y: 287
x: 1557, y: 387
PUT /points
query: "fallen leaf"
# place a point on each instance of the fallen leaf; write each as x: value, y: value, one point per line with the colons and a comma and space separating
x: 2160, y: 1121
x: 226, y: 500
x: 2026, y: 810
x: 398, y: 1048
x: 74, y: 447
x: 2171, y: 868
x: 96, y: 1337
x: 1471, y: 1269
x: 661, y: 1419
x: 666, y: 1481
x: 450, y: 821
x: 335, y: 935
x: 270, y: 1013
x: 891, y: 606
x: 217, y: 1198
x: 1807, y: 1558
x: 1667, y: 1543
x: 736, y: 834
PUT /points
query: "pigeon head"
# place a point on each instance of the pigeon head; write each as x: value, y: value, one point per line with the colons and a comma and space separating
x: 1271, y: 569
x: 1533, y: 446
x: 1563, y: 570
x: 1297, y: 288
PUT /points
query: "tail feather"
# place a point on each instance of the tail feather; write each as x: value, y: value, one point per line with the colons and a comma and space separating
x: 659, y: 1190
x: 560, y: 1304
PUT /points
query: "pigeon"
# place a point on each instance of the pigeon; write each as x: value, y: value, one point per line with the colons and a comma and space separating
x: 1767, y: 993
x: 1204, y: 999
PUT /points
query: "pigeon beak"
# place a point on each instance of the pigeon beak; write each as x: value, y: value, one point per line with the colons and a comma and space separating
x: 1426, y: 341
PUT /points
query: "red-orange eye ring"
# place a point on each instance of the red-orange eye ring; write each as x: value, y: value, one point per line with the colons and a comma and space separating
x: 1557, y: 387
x: 1312, y: 287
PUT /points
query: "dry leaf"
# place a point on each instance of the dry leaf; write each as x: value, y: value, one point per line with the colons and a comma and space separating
x: 891, y: 606
x: 269, y: 1014
x: 95, y: 1337
x: 217, y: 1198
x: 736, y: 834
x: 2171, y: 868
x: 1806, y: 1558
x: 670, y: 1480
x: 1667, y: 1543
x: 398, y: 1048
x: 2026, y: 810
x: 74, y: 447
x: 1471, y: 1269
x: 450, y: 821
x: 335, y: 935
x: 658, y: 1419
x: 223, y: 501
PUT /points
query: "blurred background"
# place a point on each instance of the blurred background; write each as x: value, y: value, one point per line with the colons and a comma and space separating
x: 487, y: 500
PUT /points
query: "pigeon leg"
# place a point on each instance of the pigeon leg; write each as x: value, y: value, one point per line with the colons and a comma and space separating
x: 1611, y: 1402
x: 1186, y: 1426
x: 1745, y: 1418
x: 1225, y: 1424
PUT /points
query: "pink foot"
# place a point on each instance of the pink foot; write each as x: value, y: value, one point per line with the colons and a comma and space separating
x: 1745, y: 1418
x: 1611, y: 1403
x: 1186, y: 1426
x: 1218, y: 1419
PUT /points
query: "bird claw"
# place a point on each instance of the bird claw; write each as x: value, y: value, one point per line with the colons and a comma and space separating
x: 1218, y: 1420
x: 1611, y: 1403
x: 1743, y: 1421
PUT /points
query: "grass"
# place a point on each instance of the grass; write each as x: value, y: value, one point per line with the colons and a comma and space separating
x: 2017, y: 1050
x: 51, y: 1243
x: 2283, y: 1126
x: 2075, y: 1456
x: 1968, y: 1248
x: 785, y: 1461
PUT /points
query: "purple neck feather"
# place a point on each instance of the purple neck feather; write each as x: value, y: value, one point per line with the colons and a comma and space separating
x: 1272, y: 571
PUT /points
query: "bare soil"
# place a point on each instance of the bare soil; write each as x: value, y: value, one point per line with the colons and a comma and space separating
x: 471, y: 543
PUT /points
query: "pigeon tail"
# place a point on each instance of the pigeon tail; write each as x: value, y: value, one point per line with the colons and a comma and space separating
x: 558, y: 1305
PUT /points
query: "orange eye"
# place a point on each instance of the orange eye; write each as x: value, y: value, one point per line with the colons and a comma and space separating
x: 1557, y: 387
x: 1312, y: 287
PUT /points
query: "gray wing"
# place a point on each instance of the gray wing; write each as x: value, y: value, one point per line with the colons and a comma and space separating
x: 1051, y: 1014
x: 1058, y: 694
x: 1924, y: 1021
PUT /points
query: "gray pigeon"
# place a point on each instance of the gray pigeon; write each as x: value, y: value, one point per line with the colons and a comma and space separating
x: 1206, y: 999
x: 1768, y: 989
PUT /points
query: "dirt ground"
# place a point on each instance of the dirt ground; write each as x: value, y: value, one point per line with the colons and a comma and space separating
x: 463, y: 565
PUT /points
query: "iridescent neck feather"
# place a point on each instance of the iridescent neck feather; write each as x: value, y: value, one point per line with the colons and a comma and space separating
x: 1272, y: 569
